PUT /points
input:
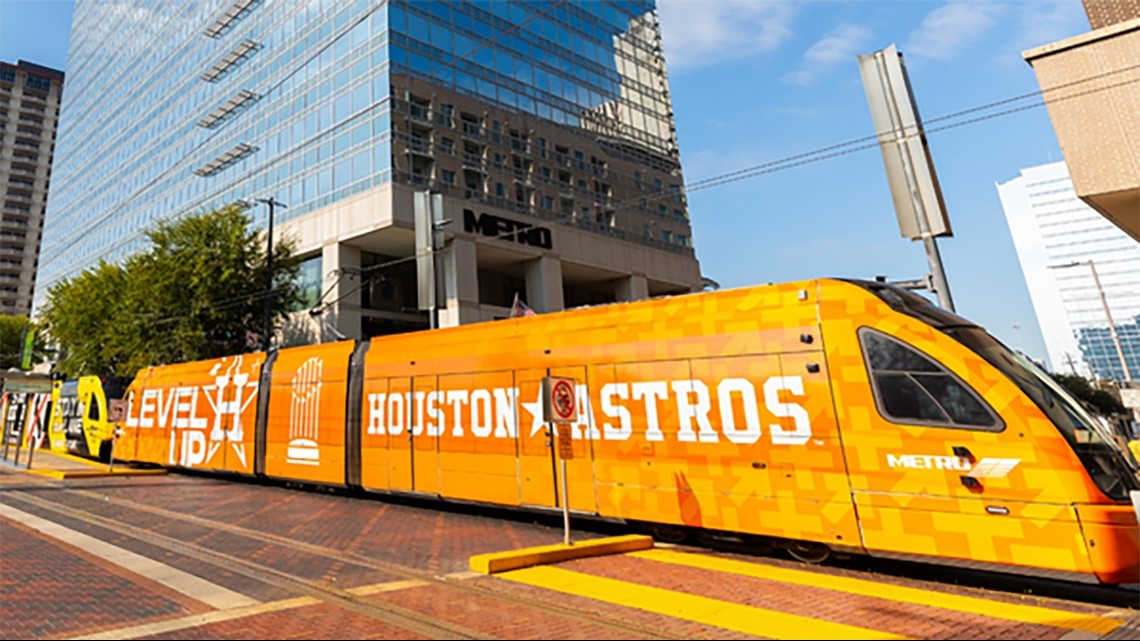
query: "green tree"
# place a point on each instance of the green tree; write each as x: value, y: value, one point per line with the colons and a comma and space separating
x: 12, y: 331
x: 197, y: 292
x: 1102, y: 401
x: 87, y: 321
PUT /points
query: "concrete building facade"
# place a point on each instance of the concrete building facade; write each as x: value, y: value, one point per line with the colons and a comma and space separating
x: 1091, y: 86
x: 29, y: 110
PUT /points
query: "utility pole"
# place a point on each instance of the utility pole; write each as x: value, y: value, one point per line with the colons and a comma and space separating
x: 272, y: 202
x: 1111, y: 325
x: 1107, y: 313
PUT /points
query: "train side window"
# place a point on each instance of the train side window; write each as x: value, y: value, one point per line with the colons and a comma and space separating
x: 911, y: 387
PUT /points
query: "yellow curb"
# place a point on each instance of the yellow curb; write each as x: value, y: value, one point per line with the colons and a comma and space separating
x: 526, y: 557
x: 89, y: 474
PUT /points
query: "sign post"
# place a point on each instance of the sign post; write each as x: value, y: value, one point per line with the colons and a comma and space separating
x: 116, y: 413
x: 560, y: 407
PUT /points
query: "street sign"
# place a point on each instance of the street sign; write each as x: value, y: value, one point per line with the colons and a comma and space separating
x: 116, y: 410
x: 559, y: 401
x: 565, y: 442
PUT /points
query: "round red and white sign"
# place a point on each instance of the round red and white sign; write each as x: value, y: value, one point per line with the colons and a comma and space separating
x: 562, y: 401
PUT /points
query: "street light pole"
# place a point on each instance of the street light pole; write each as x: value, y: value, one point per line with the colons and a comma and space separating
x: 272, y: 202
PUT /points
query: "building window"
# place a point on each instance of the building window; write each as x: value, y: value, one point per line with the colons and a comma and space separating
x: 666, y: 235
x: 637, y: 179
x: 500, y: 191
x: 547, y: 202
x: 309, y: 282
x: 448, y: 177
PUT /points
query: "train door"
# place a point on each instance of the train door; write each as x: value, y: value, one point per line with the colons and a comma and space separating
x: 375, y: 449
x: 424, y: 436
x: 935, y: 467
x: 584, y: 433
x: 398, y: 419
x: 476, y: 417
x: 808, y: 475
x: 537, y: 457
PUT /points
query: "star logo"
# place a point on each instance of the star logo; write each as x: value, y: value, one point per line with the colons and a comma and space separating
x: 535, y: 409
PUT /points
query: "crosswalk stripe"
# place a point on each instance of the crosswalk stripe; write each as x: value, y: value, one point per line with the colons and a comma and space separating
x: 690, y: 607
x: 961, y: 603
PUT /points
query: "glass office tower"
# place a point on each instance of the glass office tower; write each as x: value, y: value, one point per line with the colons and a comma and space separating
x: 544, y: 125
x: 1060, y: 241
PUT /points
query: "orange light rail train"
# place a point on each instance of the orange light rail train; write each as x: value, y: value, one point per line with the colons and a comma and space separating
x: 826, y: 414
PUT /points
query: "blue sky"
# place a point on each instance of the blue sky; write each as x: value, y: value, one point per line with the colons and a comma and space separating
x: 754, y: 81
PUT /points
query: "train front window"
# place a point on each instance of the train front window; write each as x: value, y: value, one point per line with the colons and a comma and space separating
x: 910, y: 387
x: 1086, y: 435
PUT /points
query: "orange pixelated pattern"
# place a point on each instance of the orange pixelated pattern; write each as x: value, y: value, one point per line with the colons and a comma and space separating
x: 747, y: 410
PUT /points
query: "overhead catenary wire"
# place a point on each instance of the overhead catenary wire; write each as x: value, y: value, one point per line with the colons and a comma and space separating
x: 805, y: 158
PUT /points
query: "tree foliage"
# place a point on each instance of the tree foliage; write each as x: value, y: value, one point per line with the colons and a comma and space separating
x: 12, y: 330
x: 197, y: 292
x: 1102, y: 401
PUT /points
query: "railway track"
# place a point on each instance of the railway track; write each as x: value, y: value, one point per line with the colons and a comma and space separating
x: 320, y: 590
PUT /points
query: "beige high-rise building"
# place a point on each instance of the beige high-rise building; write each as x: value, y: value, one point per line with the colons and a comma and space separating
x: 1091, y: 85
x: 29, y: 110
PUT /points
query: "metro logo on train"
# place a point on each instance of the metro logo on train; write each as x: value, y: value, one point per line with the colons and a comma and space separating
x: 829, y: 414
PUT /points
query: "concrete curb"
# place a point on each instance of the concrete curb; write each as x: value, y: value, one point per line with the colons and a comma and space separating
x: 514, y: 559
x: 90, y: 474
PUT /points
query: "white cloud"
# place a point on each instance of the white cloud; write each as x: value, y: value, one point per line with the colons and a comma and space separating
x: 1045, y: 22
x: 949, y: 29
x: 697, y: 33
x: 839, y: 46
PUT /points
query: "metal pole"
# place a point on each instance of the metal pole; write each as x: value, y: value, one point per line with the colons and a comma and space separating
x: 1111, y: 325
x: 942, y: 286
x: 565, y: 492
x: 929, y: 243
x: 272, y: 202
x: 268, y: 281
x: 20, y: 433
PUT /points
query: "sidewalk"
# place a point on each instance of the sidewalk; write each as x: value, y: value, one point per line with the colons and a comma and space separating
x: 59, y: 465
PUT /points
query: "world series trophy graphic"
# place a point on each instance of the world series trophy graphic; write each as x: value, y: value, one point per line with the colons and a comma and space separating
x: 304, y: 414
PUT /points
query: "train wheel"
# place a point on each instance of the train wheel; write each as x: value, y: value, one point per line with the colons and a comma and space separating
x: 808, y: 552
x: 669, y: 533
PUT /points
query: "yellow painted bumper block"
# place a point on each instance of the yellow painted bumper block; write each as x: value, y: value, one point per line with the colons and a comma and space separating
x: 514, y: 559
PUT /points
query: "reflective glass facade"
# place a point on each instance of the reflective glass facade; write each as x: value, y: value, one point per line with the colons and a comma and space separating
x: 175, y: 107
x: 1056, y: 235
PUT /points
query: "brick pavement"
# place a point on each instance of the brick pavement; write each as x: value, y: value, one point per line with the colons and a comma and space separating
x: 41, y: 600
x: 50, y: 589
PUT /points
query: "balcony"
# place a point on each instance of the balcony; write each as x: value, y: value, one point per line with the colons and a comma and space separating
x: 474, y: 130
x: 417, y: 145
x: 473, y: 161
x: 421, y: 113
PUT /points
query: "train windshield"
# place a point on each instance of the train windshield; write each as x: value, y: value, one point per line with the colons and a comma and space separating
x: 1090, y: 437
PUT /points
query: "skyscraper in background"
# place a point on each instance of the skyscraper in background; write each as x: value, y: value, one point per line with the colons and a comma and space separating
x: 1056, y: 235
x: 545, y: 126
x: 29, y: 111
